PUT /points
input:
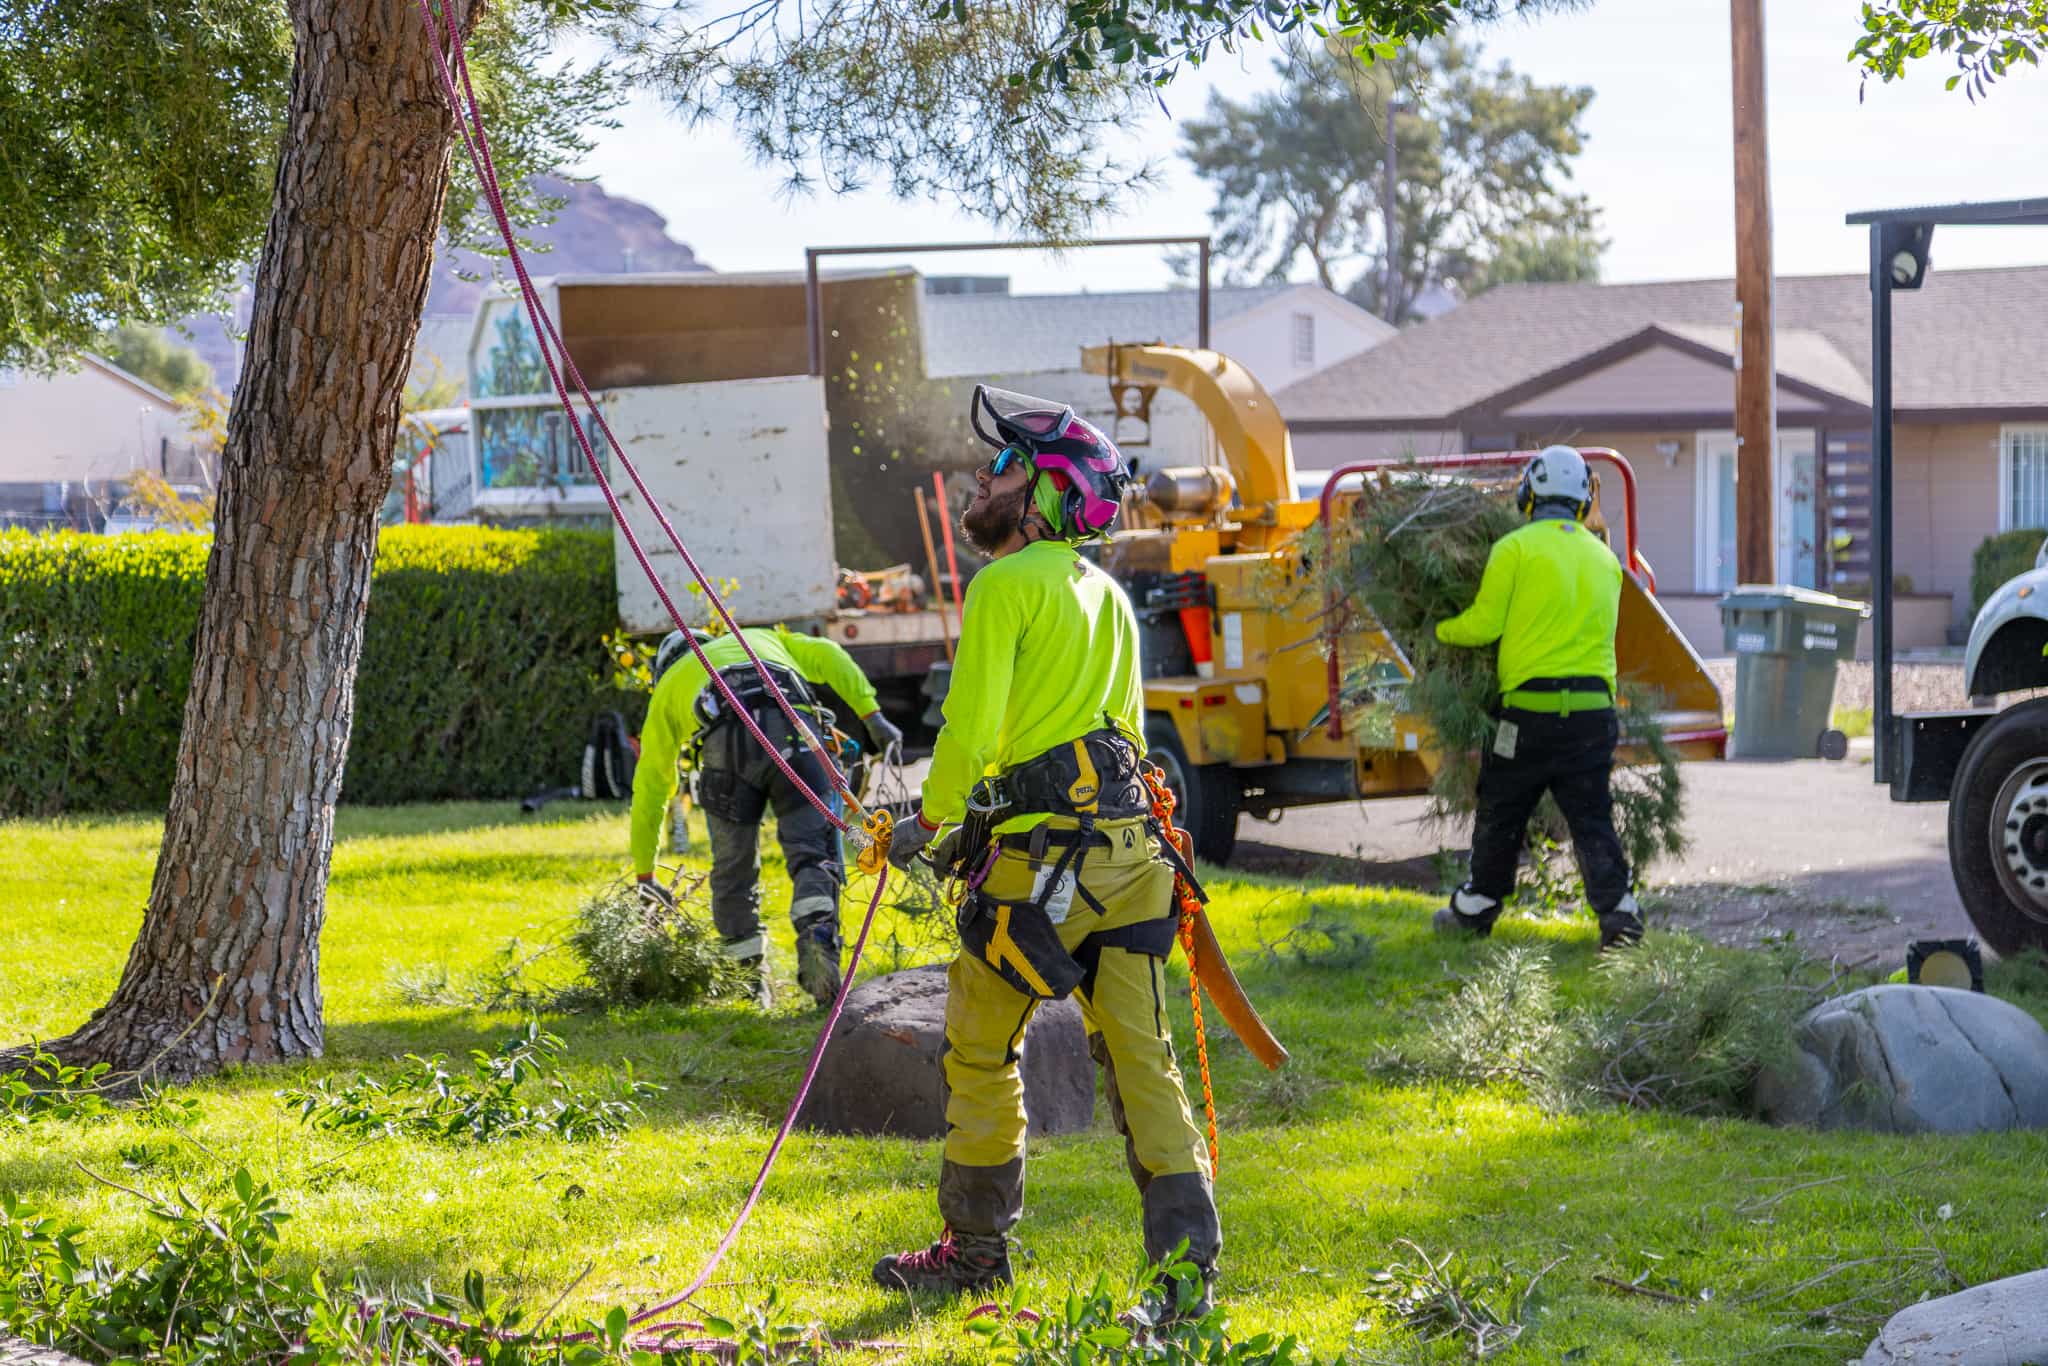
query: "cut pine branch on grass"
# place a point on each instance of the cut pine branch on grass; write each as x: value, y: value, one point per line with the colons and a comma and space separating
x: 1411, y: 555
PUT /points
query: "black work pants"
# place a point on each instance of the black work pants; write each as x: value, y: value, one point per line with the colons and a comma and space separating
x: 1572, y: 758
x: 737, y: 782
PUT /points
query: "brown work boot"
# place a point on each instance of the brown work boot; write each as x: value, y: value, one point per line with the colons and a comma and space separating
x: 957, y: 1262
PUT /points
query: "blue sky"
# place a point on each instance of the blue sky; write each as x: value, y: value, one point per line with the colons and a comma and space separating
x: 1657, y: 159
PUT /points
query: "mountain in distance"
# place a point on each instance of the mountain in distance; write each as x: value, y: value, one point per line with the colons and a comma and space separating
x: 593, y: 233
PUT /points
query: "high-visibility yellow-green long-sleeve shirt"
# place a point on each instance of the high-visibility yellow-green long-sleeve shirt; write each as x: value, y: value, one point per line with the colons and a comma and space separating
x: 1048, y: 650
x: 1551, y: 596
x: 672, y: 714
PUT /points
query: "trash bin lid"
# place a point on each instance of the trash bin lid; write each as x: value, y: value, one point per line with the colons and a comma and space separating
x: 1779, y: 596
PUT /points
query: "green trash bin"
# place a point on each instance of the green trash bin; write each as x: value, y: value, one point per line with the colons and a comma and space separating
x: 1786, y: 642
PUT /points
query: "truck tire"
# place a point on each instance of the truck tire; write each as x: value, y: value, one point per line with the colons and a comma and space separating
x: 1998, y: 829
x: 1205, y: 795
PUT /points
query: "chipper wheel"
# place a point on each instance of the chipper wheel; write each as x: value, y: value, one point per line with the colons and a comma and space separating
x: 1205, y: 796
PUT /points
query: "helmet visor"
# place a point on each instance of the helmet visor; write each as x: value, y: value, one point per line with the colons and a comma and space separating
x: 1017, y: 419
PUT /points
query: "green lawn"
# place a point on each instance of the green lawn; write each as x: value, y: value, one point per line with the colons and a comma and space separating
x: 1323, y: 1166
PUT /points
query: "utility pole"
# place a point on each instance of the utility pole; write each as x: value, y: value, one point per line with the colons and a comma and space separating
x: 1755, y: 368
x: 1390, y: 299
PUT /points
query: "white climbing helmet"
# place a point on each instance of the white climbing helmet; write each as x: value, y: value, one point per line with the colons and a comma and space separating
x: 1557, y: 474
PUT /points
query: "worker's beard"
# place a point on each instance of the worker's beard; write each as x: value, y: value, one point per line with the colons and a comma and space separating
x: 990, y: 521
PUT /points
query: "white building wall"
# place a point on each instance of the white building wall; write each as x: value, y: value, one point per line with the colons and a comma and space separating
x: 1263, y: 339
x: 84, y: 424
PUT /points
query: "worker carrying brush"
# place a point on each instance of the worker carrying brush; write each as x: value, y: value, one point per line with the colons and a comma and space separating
x: 1551, y: 596
x: 1067, y: 890
x: 737, y: 781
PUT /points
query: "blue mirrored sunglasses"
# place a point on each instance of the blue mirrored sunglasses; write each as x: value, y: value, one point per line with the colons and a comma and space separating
x: 1004, y: 458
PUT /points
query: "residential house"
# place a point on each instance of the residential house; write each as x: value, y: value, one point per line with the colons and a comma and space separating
x: 69, y: 437
x: 1282, y: 333
x: 1648, y: 370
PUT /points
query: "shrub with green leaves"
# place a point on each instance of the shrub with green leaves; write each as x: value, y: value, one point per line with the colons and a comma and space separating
x: 1411, y: 556
x: 211, y: 1292
x: 494, y: 1100
x: 483, y: 662
x: 47, y: 1087
x: 1999, y: 558
x: 1673, y: 1024
x: 633, y: 954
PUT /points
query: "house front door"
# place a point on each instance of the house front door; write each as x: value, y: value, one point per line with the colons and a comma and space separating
x: 1794, y: 514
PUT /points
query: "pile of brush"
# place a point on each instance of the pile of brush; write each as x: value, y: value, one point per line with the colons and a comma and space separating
x: 1410, y: 556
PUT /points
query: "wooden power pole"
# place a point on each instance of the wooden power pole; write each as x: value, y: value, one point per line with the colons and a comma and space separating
x: 1755, y: 368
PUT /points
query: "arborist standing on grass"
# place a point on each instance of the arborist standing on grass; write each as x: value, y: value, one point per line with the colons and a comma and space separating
x: 737, y: 781
x: 1551, y: 595
x: 1067, y: 890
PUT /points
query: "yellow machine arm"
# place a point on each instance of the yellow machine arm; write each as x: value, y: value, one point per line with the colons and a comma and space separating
x: 1243, y: 415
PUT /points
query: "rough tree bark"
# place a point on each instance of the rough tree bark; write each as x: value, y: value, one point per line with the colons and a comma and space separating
x: 226, y: 968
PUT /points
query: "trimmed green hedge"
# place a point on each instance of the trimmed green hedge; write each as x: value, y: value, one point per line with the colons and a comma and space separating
x: 1999, y: 558
x: 483, y: 663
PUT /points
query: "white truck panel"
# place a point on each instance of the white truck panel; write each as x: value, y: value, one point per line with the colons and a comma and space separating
x: 740, y: 468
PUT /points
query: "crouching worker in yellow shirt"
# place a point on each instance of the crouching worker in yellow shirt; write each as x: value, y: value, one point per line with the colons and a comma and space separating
x: 1551, y: 596
x: 737, y: 781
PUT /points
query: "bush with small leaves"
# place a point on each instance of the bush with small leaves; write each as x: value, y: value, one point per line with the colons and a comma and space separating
x: 491, y: 1102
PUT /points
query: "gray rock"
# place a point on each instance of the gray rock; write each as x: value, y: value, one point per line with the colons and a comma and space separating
x: 2000, y: 1323
x: 15, y: 1352
x: 881, y: 1072
x: 1913, y: 1059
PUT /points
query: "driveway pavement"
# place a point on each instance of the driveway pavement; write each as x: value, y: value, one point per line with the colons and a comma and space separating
x: 1807, y: 847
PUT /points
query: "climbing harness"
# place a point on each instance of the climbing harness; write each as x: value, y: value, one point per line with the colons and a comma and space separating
x: 870, y: 831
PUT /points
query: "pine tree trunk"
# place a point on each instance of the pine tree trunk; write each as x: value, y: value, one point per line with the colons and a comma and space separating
x: 226, y: 968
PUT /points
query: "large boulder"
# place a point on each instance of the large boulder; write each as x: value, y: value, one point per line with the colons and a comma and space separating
x: 881, y: 1073
x: 1913, y: 1059
x: 1995, y: 1324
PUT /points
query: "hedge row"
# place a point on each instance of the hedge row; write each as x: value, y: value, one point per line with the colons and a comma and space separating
x: 483, y: 663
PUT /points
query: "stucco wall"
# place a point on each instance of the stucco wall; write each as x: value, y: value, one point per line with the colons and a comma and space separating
x: 1262, y: 339
x: 1327, y: 450
x: 79, y: 425
x: 1664, y: 500
x: 1945, y: 502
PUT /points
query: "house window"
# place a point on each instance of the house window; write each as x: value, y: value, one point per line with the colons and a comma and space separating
x: 1304, y: 339
x: 2022, y: 477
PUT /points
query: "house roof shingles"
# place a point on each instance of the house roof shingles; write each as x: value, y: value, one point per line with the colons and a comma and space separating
x: 1966, y: 339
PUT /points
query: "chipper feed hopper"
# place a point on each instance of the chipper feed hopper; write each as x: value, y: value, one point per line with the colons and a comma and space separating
x: 1245, y: 662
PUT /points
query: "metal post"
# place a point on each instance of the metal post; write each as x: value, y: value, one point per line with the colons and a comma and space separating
x: 1880, y: 506
x: 1202, y: 299
x: 1388, y: 191
x: 814, y: 310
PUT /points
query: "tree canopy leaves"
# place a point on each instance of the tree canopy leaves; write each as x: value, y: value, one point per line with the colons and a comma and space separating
x: 1482, y: 155
x: 139, y: 142
x: 1988, y: 38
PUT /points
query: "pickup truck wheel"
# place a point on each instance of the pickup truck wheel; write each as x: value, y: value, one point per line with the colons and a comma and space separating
x: 1205, y: 795
x: 1998, y: 829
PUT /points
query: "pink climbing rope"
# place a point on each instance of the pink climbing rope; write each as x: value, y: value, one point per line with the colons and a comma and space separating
x: 467, y: 115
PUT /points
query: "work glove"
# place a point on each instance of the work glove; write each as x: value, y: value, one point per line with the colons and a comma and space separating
x: 881, y: 731
x: 654, y: 896
x: 911, y: 836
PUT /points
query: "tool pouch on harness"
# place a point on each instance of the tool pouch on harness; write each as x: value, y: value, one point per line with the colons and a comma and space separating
x: 1016, y: 932
x: 723, y: 745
